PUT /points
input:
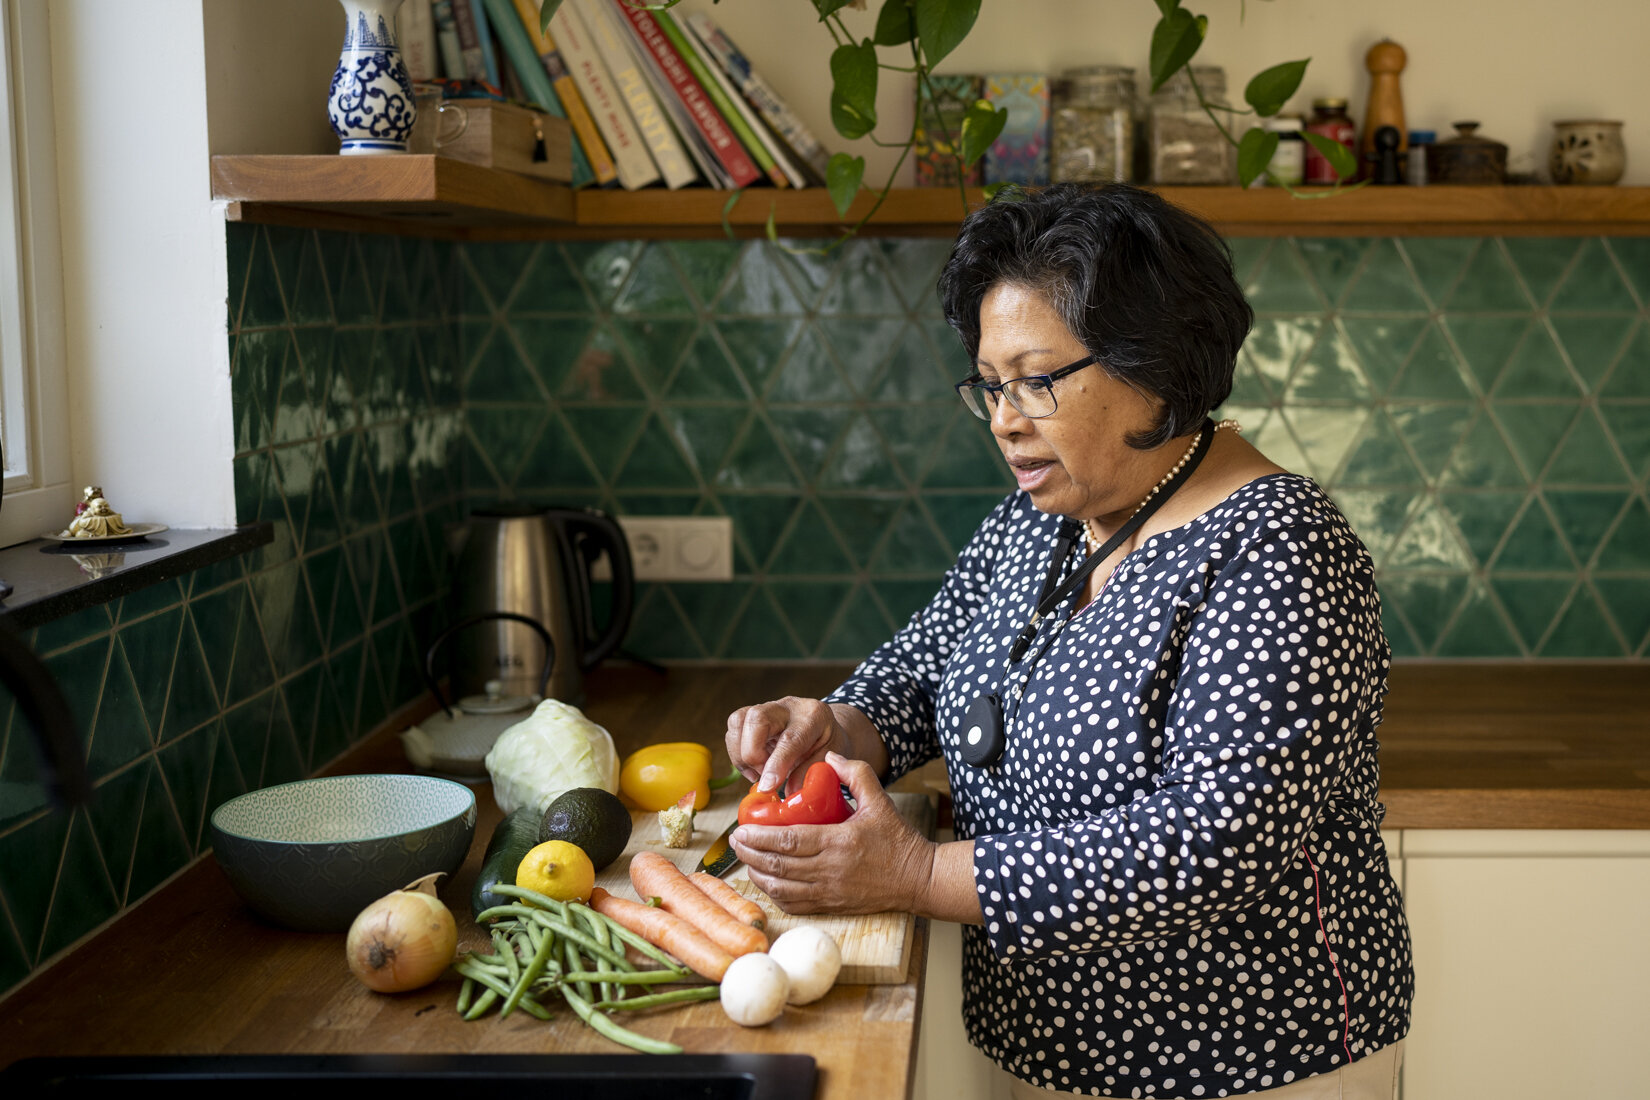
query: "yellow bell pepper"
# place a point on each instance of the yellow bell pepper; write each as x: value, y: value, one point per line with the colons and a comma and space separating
x: 656, y: 777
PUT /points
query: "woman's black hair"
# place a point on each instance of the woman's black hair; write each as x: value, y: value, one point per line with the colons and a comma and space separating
x: 1145, y: 286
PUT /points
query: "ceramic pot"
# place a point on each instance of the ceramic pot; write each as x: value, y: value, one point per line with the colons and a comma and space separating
x: 1467, y: 158
x: 371, y: 103
x: 1587, y: 151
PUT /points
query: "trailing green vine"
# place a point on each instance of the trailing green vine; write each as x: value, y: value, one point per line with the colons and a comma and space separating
x: 1176, y: 39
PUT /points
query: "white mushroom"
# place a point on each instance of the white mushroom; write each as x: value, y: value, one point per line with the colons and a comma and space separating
x: 753, y: 990
x: 810, y: 959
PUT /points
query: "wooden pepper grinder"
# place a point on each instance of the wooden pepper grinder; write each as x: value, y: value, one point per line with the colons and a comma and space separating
x: 1385, y: 60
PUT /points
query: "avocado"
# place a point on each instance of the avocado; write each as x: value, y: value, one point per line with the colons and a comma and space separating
x: 591, y: 818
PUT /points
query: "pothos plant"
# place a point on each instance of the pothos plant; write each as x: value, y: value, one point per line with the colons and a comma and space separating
x: 1175, y: 41
x: 931, y: 29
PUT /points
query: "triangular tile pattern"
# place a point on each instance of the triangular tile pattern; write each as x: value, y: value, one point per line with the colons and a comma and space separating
x: 345, y: 357
x: 1435, y: 386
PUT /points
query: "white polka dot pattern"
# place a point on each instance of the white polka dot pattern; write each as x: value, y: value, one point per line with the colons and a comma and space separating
x: 1150, y: 925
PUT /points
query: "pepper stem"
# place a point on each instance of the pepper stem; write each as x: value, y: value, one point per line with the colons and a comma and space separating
x: 732, y: 777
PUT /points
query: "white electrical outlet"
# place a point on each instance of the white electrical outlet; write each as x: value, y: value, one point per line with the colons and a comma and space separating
x: 676, y: 548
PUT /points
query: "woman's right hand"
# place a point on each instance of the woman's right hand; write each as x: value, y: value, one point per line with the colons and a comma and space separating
x: 769, y: 742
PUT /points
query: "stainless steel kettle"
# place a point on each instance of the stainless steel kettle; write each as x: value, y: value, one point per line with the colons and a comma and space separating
x: 536, y: 562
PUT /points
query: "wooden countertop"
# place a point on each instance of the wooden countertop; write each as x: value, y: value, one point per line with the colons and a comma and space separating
x: 191, y: 971
x: 1492, y: 745
x: 1552, y: 745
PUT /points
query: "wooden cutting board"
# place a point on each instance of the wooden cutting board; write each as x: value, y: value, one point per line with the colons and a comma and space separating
x: 876, y: 947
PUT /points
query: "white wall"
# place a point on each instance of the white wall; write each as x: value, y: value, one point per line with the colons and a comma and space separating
x: 269, y: 64
x: 1513, y: 65
x: 144, y: 270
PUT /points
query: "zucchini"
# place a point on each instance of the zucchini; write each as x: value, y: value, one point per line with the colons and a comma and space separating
x: 515, y: 836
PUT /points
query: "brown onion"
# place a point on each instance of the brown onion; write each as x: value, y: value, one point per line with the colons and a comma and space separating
x: 403, y: 940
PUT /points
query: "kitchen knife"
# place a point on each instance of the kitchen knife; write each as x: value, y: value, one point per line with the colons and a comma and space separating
x: 719, y: 857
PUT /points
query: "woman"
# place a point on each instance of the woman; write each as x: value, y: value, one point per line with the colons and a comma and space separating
x: 1168, y: 863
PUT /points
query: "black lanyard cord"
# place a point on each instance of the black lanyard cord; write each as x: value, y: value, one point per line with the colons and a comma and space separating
x: 1066, y: 541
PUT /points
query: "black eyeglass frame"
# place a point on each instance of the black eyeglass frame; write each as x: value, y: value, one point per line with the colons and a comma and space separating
x: 977, y: 381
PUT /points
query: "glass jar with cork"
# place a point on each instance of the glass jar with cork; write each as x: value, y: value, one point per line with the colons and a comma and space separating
x: 1091, y: 125
x: 1187, y: 146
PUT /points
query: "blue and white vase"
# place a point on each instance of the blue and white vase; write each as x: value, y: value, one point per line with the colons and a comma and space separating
x: 371, y: 102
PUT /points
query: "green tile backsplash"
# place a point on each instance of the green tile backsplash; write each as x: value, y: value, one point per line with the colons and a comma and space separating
x: 259, y: 670
x: 1479, y: 408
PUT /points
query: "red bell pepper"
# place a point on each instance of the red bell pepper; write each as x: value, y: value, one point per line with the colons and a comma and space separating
x: 819, y: 802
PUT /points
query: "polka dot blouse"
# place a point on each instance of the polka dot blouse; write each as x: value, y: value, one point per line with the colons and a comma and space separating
x: 1190, y: 765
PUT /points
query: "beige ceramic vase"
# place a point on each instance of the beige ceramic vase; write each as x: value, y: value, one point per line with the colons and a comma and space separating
x: 1587, y: 151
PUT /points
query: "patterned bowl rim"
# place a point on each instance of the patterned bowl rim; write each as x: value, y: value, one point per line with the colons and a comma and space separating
x: 416, y: 780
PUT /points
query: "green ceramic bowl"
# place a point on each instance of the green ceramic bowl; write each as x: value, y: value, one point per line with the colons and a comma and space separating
x: 311, y: 855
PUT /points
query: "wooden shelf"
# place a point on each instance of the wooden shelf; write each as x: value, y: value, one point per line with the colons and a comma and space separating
x: 409, y: 194
x: 437, y: 196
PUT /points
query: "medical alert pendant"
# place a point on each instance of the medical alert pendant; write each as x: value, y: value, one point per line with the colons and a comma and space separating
x: 982, y: 731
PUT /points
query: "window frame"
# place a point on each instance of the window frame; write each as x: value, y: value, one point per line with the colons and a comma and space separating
x: 34, y: 398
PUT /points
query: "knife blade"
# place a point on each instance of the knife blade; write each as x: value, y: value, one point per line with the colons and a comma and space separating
x: 720, y: 857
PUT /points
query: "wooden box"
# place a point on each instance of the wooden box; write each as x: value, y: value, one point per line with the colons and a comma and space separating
x: 507, y: 137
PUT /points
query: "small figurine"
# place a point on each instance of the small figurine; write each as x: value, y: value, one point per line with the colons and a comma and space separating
x: 96, y: 520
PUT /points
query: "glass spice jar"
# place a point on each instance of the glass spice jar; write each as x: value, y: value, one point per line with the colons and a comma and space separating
x: 1092, y: 124
x: 1330, y: 119
x: 1186, y: 145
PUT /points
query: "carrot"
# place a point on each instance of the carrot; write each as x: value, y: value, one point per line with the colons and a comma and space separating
x: 739, y: 907
x: 655, y: 876
x: 662, y: 930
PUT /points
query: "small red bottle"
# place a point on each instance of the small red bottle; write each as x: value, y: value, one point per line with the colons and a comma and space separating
x: 1330, y: 119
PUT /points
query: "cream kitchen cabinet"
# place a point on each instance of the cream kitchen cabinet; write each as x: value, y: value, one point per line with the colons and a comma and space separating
x: 1532, y: 963
x: 1532, y: 960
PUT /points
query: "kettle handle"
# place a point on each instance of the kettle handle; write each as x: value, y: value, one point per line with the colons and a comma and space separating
x: 475, y: 620
x: 606, y: 533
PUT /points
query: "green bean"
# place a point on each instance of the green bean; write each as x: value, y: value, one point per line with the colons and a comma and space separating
x: 566, y: 931
x: 465, y: 992
x: 487, y: 999
x: 529, y: 975
x: 646, y: 948
x: 586, y: 944
x: 570, y: 953
x: 508, y: 950
x: 598, y: 928
x: 654, y: 1000
x: 613, y: 1031
x: 528, y: 1004
x: 511, y: 910
x: 498, y: 968
x: 533, y: 896
x: 527, y: 944
x: 626, y: 977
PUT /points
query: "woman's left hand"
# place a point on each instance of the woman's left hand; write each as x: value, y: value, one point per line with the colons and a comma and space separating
x: 873, y: 862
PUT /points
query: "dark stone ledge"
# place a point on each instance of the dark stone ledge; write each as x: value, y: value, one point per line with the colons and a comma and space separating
x: 50, y: 580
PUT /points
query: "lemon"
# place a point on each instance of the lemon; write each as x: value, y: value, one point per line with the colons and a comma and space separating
x: 557, y: 870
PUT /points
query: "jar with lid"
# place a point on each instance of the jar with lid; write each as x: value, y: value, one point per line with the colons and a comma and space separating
x: 1187, y: 146
x: 1287, y: 168
x: 1092, y: 125
x: 1330, y: 119
x: 1415, y: 162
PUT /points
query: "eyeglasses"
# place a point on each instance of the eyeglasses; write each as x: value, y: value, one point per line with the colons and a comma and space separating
x: 1031, y: 396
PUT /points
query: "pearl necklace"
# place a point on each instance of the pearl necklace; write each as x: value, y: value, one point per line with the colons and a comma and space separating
x: 1093, y: 540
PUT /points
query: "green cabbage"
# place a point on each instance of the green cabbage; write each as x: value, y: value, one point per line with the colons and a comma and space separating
x: 548, y: 753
